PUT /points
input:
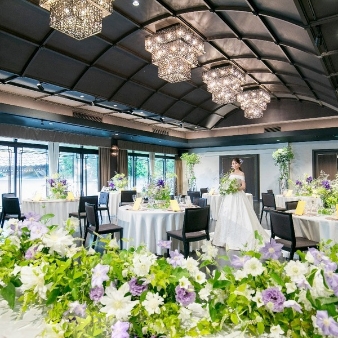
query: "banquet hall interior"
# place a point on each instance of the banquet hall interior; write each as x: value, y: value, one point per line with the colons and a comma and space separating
x: 109, y: 104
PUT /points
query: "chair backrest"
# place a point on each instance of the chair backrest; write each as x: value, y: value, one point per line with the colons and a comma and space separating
x: 196, y: 219
x: 282, y: 226
x: 89, y: 199
x: 127, y: 196
x: 193, y: 194
x: 104, y: 198
x: 199, y: 201
x: 203, y: 191
x: 268, y: 200
x: 11, y: 206
x: 290, y: 205
x: 91, y: 214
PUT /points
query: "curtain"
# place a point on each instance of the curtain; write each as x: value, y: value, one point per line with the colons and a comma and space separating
x: 152, y: 163
x: 123, y: 162
x: 179, y: 173
x: 53, y: 157
x: 146, y: 147
x: 104, y: 167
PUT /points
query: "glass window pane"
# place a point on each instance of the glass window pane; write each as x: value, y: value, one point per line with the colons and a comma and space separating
x: 91, y: 173
x: 6, y: 169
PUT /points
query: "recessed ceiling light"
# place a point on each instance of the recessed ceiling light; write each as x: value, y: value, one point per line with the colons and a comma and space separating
x: 116, y: 134
x: 50, y: 123
x: 136, y: 3
x: 115, y: 105
x: 277, y: 140
x: 81, y: 95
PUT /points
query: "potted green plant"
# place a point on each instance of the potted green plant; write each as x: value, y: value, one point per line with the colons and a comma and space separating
x: 282, y: 158
x: 191, y: 160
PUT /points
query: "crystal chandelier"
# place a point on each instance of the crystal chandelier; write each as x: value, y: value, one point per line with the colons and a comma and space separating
x: 224, y: 83
x: 77, y: 18
x: 175, y: 51
x: 253, y: 102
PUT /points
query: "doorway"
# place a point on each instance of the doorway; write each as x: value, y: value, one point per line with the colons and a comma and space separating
x: 250, y: 167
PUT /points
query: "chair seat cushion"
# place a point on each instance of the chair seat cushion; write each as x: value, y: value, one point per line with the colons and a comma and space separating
x: 189, y: 235
x: 105, y: 228
x: 102, y: 208
x: 76, y: 214
x: 301, y: 243
x: 9, y: 216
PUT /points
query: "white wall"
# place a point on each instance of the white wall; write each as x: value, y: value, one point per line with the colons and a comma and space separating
x: 207, y: 171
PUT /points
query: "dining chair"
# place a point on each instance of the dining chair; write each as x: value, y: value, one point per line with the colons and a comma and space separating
x: 200, y: 202
x: 93, y: 227
x: 127, y: 196
x: 11, y: 209
x: 204, y: 191
x: 193, y: 194
x: 103, y: 204
x: 268, y: 204
x: 81, y: 212
x: 270, y: 191
x: 7, y: 194
x: 291, y: 205
x: 195, y: 228
x: 282, y: 228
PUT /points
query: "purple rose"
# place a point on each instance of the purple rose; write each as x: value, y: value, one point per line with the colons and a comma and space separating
x: 160, y: 183
x: 309, y: 179
x: 96, y: 293
x: 326, y: 184
x: 274, y: 298
x: 299, y: 183
x: 135, y: 288
x: 184, y: 297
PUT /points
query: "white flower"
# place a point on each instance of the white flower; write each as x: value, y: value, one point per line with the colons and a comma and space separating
x: 91, y: 251
x: 199, y: 277
x: 205, y: 292
x: 184, y: 315
x: 318, y: 287
x: 185, y: 283
x: 258, y: 299
x: 296, y: 269
x: 142, y: 263
x: 58, y: 240
x: 275, y: 331
x: 209, y: 251
x: 16, y: 270
x: 197, y: 310
x: 113, y: 244
x: 240, y: 274
x: 72, y: 251
x: 247, y: 293
x: 290, y: 287
x: 303, y: 299
x: 116, y: 303
x: 253, y: 267
x: 32, y: 277
x: 152, y: 303
x: 219, y: 295
x: 15, y: 241
x: 2, y: 283
x: 190, y: 264
x: 72, y: 224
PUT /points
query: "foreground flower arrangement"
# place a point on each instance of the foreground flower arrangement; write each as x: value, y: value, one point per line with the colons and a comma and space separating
x: 119, y: 181
x: 133, y: 293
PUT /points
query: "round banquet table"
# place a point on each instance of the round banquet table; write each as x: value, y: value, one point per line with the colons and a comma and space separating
x: 280, y: 200
x: 60, y: 208
x: 149, y: 226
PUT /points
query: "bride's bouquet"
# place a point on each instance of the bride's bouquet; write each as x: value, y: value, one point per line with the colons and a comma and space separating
x: 228, y: 185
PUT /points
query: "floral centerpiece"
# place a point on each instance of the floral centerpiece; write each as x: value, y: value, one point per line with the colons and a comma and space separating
x: 228, y: 185
x: 158, y: 193
x: 58, y: 187
x: 191, y: 160
x: 321, y: 187
x: 282, y: 158
x: 133, y: 293
x: 120, y: 181
x: 111, y: 185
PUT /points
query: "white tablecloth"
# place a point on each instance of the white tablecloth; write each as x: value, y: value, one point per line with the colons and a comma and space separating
x: 149, y: 227
x: 280, y: 200
x: 60, y: 208
x: 316, y: 228
x: 114, y: 201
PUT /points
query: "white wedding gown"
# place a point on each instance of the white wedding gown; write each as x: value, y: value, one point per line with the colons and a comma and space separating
x: 237, y: 222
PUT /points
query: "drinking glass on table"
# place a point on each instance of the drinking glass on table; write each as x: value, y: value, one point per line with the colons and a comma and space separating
x: 134, y: 197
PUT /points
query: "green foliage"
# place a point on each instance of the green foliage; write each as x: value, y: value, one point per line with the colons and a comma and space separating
x: 228, y: 185
x: 282, y: 158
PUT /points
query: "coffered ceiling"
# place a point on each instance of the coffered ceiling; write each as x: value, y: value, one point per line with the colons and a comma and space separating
x: 288, y: 47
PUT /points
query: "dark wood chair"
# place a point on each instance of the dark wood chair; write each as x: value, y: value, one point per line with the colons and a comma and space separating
x: 291, y: 205
x: 193, y: 194
x: 204, y: 191
x: 93, y: 227
x: 282, y: 227
x: 200, y: 202
x: 195, y: 228
x: 7, y: 194
x: 268, y: 204
x: 11, y: 209
x: 127, y: 196
x: 81, y: 212
x: 104, y: 204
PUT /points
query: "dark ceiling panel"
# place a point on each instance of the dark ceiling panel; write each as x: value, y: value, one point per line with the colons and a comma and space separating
x: 233, y: 48
x: 21, y: 49
x: 148, y: 76
x: 196, y: 116
x: 178, y: 90
x: 98, y: 83
x: 54, y: 68
x: 135, y: 43
x: 285, y: 8
x: 159, y: 103
x: 197, y: 96
x: 179, y: 110
x: 183, y: 4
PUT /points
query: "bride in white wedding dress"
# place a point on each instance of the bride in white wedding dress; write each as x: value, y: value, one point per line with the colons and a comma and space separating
x: 237, y: 220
